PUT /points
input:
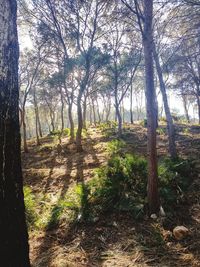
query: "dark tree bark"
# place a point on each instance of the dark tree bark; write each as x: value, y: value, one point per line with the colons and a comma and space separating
x: 14, y: 247
x: 170, y: 125
x: 152, y: 194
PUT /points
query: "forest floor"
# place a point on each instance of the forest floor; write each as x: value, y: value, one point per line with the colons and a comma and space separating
x: 115, y: 239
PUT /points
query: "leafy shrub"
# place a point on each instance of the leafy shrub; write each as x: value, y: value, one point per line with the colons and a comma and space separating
x: 115, y: 146
x: 108, y: 128
x: 120, y: 185
x: 66, y: 132
x: 174, y: 178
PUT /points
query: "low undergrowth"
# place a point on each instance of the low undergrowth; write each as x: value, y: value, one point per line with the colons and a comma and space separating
x: 120, y: 186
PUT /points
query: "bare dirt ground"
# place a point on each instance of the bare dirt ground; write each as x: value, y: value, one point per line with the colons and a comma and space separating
x: 115, y: 239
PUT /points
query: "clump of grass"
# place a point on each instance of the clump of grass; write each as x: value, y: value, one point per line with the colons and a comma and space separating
x: 30, y: 206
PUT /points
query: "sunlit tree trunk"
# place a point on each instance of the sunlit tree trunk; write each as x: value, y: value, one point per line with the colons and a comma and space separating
x: 14, y: 247
x: 131, y: 104
x: 80, y: 123
x: 36, y: 119
x: 62, y: 111
x: 170, y: 125
x: 152, y: 194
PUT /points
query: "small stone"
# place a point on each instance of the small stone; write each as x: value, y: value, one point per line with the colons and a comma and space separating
x: 162, y: 212
x: 153, y: 216
x: 180, y: 232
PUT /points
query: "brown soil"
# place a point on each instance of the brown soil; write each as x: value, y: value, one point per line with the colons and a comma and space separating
x: 115, y: 239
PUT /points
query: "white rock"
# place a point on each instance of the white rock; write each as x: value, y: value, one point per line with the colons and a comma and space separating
x: 153, y: 216
x: 180, y: 232
x: 162, y: 212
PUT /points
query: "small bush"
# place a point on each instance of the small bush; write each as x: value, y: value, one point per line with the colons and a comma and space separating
x: 66, y: 132
x: 120, y: 185
x: 115, y: 146
x: 174, y: 178
x: 108, y: 128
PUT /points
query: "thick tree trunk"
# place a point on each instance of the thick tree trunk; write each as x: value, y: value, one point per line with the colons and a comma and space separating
x: 14, y: 247
x: 152, y: 194
x: 170, y: 125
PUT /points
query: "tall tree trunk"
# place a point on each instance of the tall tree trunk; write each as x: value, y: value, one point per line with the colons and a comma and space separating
x: 14, y: 247
x: 198, y: 106
x: 98, y: 112
x: 62, y: 111
x: 170, y: 125
x: 90, y: 111
x: 39, y: 123
x: 36, y: 119
x: 94, y: 112
x: 24, y: 131
x: 71, y: 122
x: 108, y: 110
x: 80, y: 124
x: 84, y: 112
x: 131, y: 104
x: 185, y: 107
x: 152, y: 194
x: 119, y: 118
